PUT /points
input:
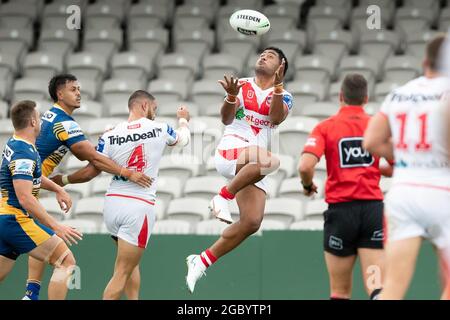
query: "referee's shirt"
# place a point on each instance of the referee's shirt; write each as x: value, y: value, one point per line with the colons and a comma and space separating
x: 353, y: 173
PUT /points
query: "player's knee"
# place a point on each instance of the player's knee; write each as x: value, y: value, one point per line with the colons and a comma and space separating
x: 270, y: 164
x: 251, y: 225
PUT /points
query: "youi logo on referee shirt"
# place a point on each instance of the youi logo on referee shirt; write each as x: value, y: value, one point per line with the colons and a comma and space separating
x: 352, y: 154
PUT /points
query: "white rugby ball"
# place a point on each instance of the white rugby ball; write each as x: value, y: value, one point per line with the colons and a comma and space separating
x: 250, y: 22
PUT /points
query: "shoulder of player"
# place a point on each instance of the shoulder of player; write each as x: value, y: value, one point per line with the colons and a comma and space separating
x: 22, y: 149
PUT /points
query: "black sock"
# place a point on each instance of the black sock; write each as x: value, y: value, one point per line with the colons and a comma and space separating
x: 375, y: 293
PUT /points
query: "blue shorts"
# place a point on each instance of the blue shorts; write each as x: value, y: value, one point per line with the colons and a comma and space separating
x: 20, y: 235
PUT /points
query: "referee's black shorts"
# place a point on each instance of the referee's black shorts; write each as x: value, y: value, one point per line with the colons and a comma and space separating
x: 352, y: 225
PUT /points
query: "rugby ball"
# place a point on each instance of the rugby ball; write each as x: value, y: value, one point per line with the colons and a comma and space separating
x: 249, y: 22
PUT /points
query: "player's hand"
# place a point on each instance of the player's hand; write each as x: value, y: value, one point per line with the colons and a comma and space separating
x: 69, y: 234
x: 141, y: 179
x: 57, y: 179
x: 279, y: 74
x: 183, y: 113
x: 231, y: 85
x: 310, y: 190
x: 64, y: 200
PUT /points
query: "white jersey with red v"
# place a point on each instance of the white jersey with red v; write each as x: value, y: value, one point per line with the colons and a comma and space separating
x: 252, y: 120
x: 138, y: 146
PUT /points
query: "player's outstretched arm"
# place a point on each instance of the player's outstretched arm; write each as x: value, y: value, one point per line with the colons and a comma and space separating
x: 306, y: 170
x: 377, y: 137
x: 183, y: 132
x: 84, y: 150
x: 229, y: 106
x: 278, y: 112
x: 23, y: 190
x: 82, y: 175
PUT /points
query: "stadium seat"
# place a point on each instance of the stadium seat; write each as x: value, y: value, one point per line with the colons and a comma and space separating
x: 151, y: 42
x: 315, y: 68
x: 96, y: 127
x: 329, y: 12
x: 160, y: 210
x: 372, y: 108
x: 416, y: 42
x: 124, y: 4
x: 6, y: 131
x: 411, y: 25
x: 216, y: 65
x: 321, y: 170
x: 238, y: 44
x: 286, y: 210
x: 305, y: 91
x: 90, y: 208
x: 147, y: 16
x: 444, y: 19
x: 73, y: 164
x: 319, y: 110
x: 88, y: 111
x: 78, y: 191
x: 206, y: 133
x: 179, y: 66
x: 87, y: 65
x: 42, y: 65
x: 388, y: 9
x: 379, y: 44
x: 269, y: 224
x: 99, y: 185
x: 203, y: 187
x: 194, y: 42
x: 85, y: 226
x: 59, y: 41
x: 192, y: 13
x: 172, y: 227
x: 309, y: 225
x: 272, y: 185
x: 182, y: 166
x: 358, y: 21
x: 333, y: 44
x: 169, y: 90
x: 103, y: 41
x: 192, y: 210
x: 169, y: 187
x: 104, y: 16
x: 169, y: 109
x: 16, y: 42
x: 292, y: 188
x: 364, y: 65
x: 208, y: 95
x: 52, y: 207
x: 314, y: 209
x: 282, y: 16
x: 30, y: 89
x: 401, y: 69
x: 132, y: 65
x: 210, y: 227
x: 116, y: 92
x: 286, y: 169
x: 18, y: 14
x: 211, y: 167
x: 382, y: 89
x: 294, y: 132
x: 4, y: 108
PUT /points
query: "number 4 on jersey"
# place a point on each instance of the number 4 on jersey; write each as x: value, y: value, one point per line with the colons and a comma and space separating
x: 137, y: 159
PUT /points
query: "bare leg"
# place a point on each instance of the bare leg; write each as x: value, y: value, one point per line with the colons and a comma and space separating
x: 251, y: 201
x: 372, y: 268
x: 57, y: 288
x: 401, y: 258
x: 340, y: 271
x: 128, y: 257
x: 36, y: 269
x: 6, y: 266
x: 133, y: 285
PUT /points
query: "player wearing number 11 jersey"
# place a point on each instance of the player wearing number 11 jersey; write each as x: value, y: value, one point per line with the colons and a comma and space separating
x: 411, y: 127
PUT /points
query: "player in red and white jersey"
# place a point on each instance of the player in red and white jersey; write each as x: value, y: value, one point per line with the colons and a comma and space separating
x: 129, y: 213
x: 411, y: 128
x: 253, y: 108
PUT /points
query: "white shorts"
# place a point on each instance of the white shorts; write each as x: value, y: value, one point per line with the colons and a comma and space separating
x: 415, y: 211
x: 129, y: 218
x: 226, y: 162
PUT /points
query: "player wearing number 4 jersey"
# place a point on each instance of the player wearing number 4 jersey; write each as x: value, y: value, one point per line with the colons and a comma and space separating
x: 129, y: 213
x: 411, y: 127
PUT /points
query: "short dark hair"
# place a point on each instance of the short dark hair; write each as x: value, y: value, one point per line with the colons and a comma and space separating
x: 139, y: 94
x: 354, y: 89
x: 433, y: 51
x: 281, y: 55
x: 57, y: 81
x: 21, y: 114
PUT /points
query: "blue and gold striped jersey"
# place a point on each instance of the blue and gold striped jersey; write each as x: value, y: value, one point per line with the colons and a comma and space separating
x: 59, y: 131
x: 20, y: 160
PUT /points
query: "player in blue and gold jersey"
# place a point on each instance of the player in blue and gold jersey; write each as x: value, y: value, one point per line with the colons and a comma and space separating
x: 60, y: 133
x: 25, y: 226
